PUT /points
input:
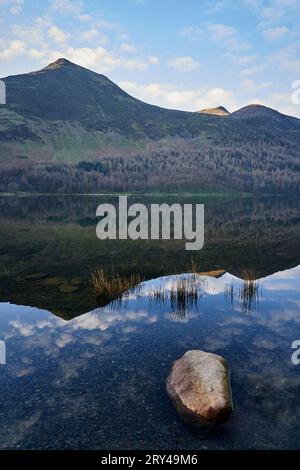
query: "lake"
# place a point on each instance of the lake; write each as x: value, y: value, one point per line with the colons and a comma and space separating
x: 85, y: 371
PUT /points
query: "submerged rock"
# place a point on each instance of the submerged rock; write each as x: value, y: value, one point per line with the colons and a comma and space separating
x: 199, y: 387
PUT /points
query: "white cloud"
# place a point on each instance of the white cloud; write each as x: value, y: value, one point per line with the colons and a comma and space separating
x: 36, y: 54
x: 92, y: 34
x: 16, y: 6
x: 42, y: 31
x: 153, y: 60
x: 14, y: 48
x: 66, y: 7
x: 271, y: 14
x: 241, y: 59
x: 215, y: 6
x: 227, y: 36
x: 58, y: 35
x: 99, y: 59
x: 254, y: 69
x: 84, y: 17
x: 16, y: 10
x: 282, y: 102
x: 138, y: 2
x: 107, y: 25
x: 126, y: 47
x: 192, y: 32
x: 24, y: 329
x: 286, y: 58
x: 275, y: 33
x: 251, y: 85
x: 134, y: 64
x: 33, y: 34
x: 170, y: 96
x: 63, y: 340
x: 184, y: 64
x: 222, y: 31
x: 89, y: 34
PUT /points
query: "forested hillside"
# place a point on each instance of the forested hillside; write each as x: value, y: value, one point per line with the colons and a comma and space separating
x: 67, y: 129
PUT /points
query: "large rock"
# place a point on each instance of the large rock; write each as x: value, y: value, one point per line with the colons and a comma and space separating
x: 199, y: 387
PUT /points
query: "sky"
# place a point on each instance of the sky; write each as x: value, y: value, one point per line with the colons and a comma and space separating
x: 179, y: 54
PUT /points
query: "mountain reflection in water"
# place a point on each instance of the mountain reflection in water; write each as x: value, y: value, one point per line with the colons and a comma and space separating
x: 49, y: 252
x: 184, y: 292
x: 96, y: 380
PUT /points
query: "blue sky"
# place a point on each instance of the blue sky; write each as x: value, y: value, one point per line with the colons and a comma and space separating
x: 182, y: 54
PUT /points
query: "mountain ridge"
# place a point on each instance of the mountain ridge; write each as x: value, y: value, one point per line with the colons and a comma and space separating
x: 67, y: 114
x: 65, y: 63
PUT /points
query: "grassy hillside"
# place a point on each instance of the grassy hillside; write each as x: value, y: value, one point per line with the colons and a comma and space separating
x: 63, y: 115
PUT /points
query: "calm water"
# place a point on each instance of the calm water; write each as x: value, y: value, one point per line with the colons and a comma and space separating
x: 82, y: 373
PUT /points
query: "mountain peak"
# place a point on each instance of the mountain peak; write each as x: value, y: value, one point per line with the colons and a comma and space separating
x: 256, y: 111
x: 61, y: 62
x: 218, y: 111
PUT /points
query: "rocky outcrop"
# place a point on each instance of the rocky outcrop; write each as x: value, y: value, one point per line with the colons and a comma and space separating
x: 216, y: 273
x: 219, y: 111
x: 199, y: 387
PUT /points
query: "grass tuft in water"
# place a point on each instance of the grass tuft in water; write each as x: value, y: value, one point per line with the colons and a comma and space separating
x: 249, y: 292
x: 114, y: 286
x: 183, y: 294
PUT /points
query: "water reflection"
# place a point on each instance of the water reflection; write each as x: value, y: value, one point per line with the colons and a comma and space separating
x: 49, y: 249
x: 97, y: 381
x: 184, y: 293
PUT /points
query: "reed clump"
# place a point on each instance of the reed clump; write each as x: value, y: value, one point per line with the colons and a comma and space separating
x: 249, y: 292
x: 184, y: 293
x: 159, y: 294
x: 184, y: 296
x: 114, y: 286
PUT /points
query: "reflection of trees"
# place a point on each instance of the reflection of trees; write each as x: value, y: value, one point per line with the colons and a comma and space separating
x: 55, y: 236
